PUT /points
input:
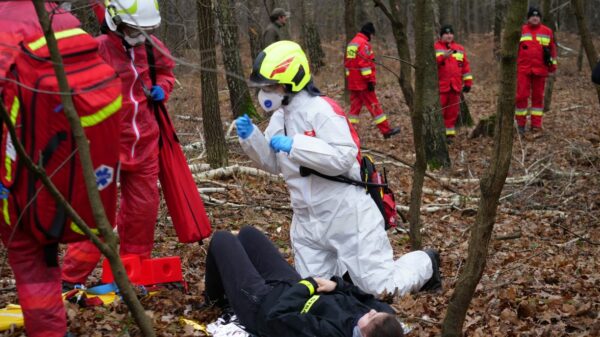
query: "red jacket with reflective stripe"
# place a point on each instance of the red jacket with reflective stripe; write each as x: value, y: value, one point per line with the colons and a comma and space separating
x: 139, y: 129
x: 360, y: 68
x: 531, y: 52
x: 453, y: 71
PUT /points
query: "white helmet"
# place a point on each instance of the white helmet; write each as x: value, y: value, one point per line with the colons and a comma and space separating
x: 142, y: 14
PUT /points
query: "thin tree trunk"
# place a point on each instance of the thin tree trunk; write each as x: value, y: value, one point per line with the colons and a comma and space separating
x: 493, y: 180
x: 239, y: 95
x: 311, y: 38
x: 586, y: 38
x: 254, y: 29
x: 100, y: 218
x: 464, y: 19
x: 444, y: 12
x: 499, y: 10
x: 549, y: 20
x: 350, y: 29
x: 464, y: 117
x: 216, y: 147
x: 398, y: 19
x: 580, y: 57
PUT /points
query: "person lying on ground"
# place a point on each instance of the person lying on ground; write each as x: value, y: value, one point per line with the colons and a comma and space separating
x: 271, y: 299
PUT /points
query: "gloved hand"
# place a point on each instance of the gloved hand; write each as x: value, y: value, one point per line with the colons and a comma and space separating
x: 466, y: 88
x: 157, y: 93
x: 281, y: 143
x: 370, y: 86
x: 244, y: 126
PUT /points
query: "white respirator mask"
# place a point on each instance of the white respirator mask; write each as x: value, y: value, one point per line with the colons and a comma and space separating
x: 135, y: 41
x: 270, y: 101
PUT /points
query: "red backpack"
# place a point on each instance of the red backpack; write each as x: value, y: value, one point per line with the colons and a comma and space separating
x: 32, y: 100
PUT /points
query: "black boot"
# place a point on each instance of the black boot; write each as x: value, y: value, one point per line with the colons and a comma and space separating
x: 392, y: 132
x: 435, y: 282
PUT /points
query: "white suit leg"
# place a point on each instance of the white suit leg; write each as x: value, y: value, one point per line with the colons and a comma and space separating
x: 310, y: 257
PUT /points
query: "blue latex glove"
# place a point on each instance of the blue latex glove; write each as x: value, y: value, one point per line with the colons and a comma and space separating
x: 244, y: 126
x: 157, y: 93
x: 281, y: 143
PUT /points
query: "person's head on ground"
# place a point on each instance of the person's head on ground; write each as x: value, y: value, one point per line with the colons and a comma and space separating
x: 280, y: 71
x: 447, y: 34
x: 368, y: 29
x: 378, y: 324
x: 279, y: 16
x: 534, y: 16
x: 133, y: 19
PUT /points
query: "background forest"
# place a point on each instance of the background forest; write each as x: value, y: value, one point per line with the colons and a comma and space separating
x: 542, y: 276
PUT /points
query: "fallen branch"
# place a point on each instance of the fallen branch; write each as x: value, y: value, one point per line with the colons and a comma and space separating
x: 208, y: 200
x: 224, y: 172
x: 510, y: 236
x: 212, y: 190
x: 194, y: 146
x: 195, y: 168
x: 189, y: 118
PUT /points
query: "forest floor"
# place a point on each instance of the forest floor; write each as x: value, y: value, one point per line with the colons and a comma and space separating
x: 543, y: 270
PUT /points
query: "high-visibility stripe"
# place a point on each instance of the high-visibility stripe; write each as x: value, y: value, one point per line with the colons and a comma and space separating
x: 353, y: 120
x: 309, y: 304
x: 102, y: 114
x: 467, y: 77
x: 537, y: 111
x: 439, y: 52
x: 521, y: 112
x: 459, y: 56
x: 131, y: 10
x: 347, y: 72
x: 311, y: 288
x: 78, y: 230
x: 39, y: 43
x: 351, y: 50
x: 554, y: 61
x: 526, y: 37
x: 544, y: 41
x: 450, y: 132
x: 5, y: 211
x: 14, y: 113
x: 380, y: 119
x: 366, y: 71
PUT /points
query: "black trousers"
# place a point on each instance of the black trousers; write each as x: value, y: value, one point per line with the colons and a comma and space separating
x: 244, y: 269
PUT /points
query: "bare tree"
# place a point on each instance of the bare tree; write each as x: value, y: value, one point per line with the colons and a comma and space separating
x: 586, y: 38
x: 350, y: 29
x: 398, y: 19
x: 216, y: 148
x: 499, y: 9
x: 310, y: 37
x: 239, y: 95
x: 254, y: 28
x: 493, y: 179
x: 444, y: 7
x: 464, y: 19
x: 549, y: 20
x: 109, y: 246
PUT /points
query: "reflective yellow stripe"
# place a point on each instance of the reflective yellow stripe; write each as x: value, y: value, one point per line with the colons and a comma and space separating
x: 537, y: 111
x: 102, y: 114
x: 380, y: 119
x: 459, y: 56
x: 366, y: 71
x: 439, y: 52
x: 309, y: 304
x: 39, y: 43
x: 467, y: 77
x: 544, y: 41
x: 14, y: 112
x: 311, y: 288
x: 353, y: 120
x: 450, y: 132
x: 554, y: 61
x: 347, y: 72
x: 521, y: 112
x: 526, y: 37
x: 5, y: 211
x: 78, y: 230
x: 351, y: 51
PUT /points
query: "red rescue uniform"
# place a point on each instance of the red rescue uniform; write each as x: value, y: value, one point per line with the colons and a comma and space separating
x: 139, y: 155
x: 532, y: 69
x: 454, y: 72
x: 360, y: 70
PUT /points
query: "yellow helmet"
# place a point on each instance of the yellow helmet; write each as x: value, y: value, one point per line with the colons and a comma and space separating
x: 282, y: 62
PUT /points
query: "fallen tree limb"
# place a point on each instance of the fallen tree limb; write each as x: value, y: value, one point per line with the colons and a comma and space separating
x: 195, y: 168
x: 208, y: 200
x: 224, y: 172
x: 194, y: 146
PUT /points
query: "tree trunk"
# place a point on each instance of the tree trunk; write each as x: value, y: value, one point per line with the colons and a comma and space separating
x: 427, y: 101
x: 444, y: 12
x: 311, y: 38
x: 239, y: 95
x: 254, y: 28
x: 464, y: 19
x: 398, y: 19
x: 216, y: 147
x: 580, y: 57
x: 549, y: 20
x: 109, y: 248
x: 499, y: 10
x: 493, y: 180
x: 586, y: 38
x: 464, y: 118
x: 350, y: 27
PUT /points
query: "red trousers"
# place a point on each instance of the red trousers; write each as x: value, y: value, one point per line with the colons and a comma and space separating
x: 530, y: 85
x: 358, y: 98
x: 450, y: 102
x: 38, y: 286
x: 135, y: 223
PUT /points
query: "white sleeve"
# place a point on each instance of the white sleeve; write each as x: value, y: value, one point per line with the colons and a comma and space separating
x: 332, y: 151
x: 257, y: 145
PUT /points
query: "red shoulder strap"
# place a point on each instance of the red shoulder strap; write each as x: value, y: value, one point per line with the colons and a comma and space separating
x: 339, y: 111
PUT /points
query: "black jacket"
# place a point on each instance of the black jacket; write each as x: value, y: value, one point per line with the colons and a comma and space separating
x: 296, y: 311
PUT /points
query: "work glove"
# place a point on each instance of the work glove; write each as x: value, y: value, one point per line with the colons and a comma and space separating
x: 157, y: 93
x: 281, y: 143
x: 244, y: 126
x: 466, y: 88
x: 370, y: 86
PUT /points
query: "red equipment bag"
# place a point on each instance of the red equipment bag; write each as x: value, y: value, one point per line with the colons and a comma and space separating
x: 32, y: 99
x: 179, y: 188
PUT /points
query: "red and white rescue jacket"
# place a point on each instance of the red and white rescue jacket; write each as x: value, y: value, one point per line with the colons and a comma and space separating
x: 360, y: 68
x: 531, y: 50
x: 453, y: 71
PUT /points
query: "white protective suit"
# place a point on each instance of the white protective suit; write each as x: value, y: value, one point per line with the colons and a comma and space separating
x: 336, y: 226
